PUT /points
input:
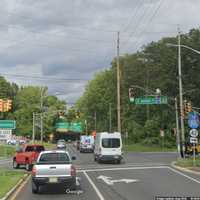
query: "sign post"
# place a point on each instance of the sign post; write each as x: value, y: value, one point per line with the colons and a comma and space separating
x: 194, y: 142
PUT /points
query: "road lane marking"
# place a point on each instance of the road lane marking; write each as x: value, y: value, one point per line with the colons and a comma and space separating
x: 94, y: 186
x: 182, y: 174
x: 122, y: 168
x: 108, y: 180
x: 93, y: 166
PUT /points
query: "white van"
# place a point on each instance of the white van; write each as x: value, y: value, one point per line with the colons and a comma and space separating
x: 86, y: 143
x: 108, y: 147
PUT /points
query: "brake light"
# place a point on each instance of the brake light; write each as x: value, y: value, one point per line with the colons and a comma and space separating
x: 73, y: 171
x: 34, y: 171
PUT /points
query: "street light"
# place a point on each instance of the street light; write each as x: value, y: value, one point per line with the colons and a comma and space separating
x: 181, y: 87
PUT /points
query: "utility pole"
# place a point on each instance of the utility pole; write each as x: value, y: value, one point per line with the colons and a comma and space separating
x: 33, y: 131
x: 177, y: 127
x: 41, y: 116
x: 95, y: 120
x: 118, y: 89
x: 110, y: 118
x: 181, y: 95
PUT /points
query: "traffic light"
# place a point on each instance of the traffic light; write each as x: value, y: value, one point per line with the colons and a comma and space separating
x: 131, y: 94
x: 78, y: 114
x: 1, y: 105
x: 8, y: 105
x: 189, y: 107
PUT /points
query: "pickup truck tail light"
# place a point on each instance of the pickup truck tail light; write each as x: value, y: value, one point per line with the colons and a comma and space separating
x: 34, y: 171
x: 73, y: 171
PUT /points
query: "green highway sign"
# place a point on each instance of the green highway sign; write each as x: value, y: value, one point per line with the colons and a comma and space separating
x: 151, y: 100
x: 62, y: 125
x: 7, y: 124
x: 66, y: 126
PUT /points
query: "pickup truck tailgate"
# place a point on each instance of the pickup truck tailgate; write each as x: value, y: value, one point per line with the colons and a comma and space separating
x: 51, y: 170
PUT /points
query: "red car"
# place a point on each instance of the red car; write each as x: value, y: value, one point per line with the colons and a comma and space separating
x: 27, y: 155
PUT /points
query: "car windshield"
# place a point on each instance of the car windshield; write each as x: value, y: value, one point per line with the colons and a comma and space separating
x: 111, y: 142
x: 34, y: 148
x: 54, y: 158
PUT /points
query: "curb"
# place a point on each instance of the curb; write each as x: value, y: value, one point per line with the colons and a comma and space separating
x: 173, y: 164
x: 19, y: 183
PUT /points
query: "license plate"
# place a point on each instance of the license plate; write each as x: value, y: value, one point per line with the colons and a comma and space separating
x: 53, y: 180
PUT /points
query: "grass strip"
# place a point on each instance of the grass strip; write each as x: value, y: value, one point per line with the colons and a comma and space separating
x: 8, y: 179
x: 6, y: 151
x: 144, y: 148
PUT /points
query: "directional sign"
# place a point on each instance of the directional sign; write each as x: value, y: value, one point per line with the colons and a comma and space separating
x: 193, y: 133
x: 66, y: 126
x: 193, y: 140
x: 151, y: 100
x: 108, y: 180
x: 193, y: 120
x: 7, y: 124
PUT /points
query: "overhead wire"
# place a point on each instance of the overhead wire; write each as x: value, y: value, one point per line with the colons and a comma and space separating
x: 150, y: 16
x: 133, y: 17
x: 55, y: 79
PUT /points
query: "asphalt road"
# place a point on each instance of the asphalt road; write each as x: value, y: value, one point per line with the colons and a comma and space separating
x: 141, y: 176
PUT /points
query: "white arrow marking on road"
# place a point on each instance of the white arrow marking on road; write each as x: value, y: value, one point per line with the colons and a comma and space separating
x: 107, y: 180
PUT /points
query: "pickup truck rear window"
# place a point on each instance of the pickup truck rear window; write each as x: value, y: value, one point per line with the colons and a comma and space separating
x: 54, y: 158
x: 34, y: 148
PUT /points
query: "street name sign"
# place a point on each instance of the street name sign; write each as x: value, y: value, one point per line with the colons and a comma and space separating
x: 193, y: 133
x: 151, y: 100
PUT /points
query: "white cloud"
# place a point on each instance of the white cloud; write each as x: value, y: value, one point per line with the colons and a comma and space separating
x: 76, y: 38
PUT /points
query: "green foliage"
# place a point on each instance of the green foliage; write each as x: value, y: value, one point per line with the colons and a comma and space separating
x: 154, y: 67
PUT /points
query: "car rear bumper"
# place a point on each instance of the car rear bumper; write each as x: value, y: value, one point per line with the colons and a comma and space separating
x: 60, y: 180
x: 109, y: 157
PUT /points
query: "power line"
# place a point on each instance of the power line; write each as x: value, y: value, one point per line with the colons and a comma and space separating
x: 150, y: 17
x: 136, y: 26
x: 44, y: 78
x: 133, y: 17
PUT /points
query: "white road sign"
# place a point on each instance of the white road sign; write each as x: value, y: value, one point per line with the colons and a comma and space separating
x: 193, y: 140
x: 5, y: 134
x: 108, y: 180
x: 193, y: 133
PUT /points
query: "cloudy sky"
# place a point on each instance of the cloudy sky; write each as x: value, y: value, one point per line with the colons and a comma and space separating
x: 63, y: 43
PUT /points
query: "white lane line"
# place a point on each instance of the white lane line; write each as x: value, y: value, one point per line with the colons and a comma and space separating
x: 93, y: 166
x: 122, y: 168
x: 182, y: 174
x: 94, y: 186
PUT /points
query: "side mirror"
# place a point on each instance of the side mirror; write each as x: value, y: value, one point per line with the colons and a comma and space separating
x: 73, y: 157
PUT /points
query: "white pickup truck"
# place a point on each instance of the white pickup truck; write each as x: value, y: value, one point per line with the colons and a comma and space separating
x: 54, y: 167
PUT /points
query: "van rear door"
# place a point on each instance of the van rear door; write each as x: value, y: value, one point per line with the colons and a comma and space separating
x: 111, y: 146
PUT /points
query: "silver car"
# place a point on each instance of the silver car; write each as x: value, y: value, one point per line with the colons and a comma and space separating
x: 61, y: 144
x: 54, y: 167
